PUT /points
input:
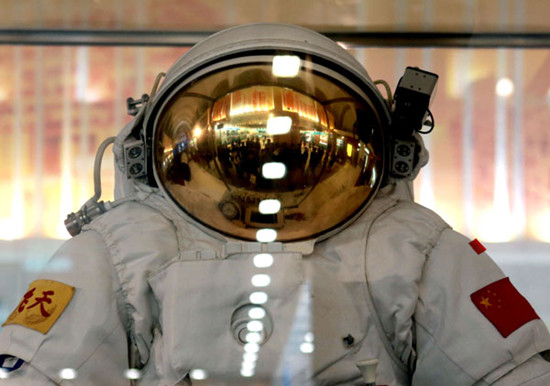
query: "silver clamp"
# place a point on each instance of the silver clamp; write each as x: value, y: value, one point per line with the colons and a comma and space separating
x: 134, y: 105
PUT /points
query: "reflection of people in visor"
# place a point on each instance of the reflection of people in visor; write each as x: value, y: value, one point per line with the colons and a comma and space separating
x: 264, y: 233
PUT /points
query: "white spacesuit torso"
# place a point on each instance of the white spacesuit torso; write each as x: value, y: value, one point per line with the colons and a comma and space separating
x: 144, y: 272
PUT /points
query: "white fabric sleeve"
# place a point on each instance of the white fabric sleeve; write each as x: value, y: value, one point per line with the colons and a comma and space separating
x: 455, y: 342
x: 533, y: 372
x: 89, y: 336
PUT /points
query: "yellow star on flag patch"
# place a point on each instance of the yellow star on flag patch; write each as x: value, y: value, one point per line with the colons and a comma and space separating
x: 41, y: 305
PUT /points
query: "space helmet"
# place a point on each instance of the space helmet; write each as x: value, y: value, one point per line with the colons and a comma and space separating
x: 266, y: 132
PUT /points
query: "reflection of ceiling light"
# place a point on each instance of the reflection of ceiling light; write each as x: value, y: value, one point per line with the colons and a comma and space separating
x: 252, y: 348
x: 132, y: 374
x: 308, y: 337
x: 278, y: 125
x: 504, y: 87
x: 250, y: 357
x: 266, y: 235
x: 253, y: 337
x: 263, y: 260
x: 373, y: 177
x: 4, y: 374
x: 258, y: 297
x: 198, y: 374
x: 247, y: 372
x: 269, y: 206
x: 248, y: 365
x: 67, y: 374
x: 286, y: 66
x: 255, y: 326
x: 256, y: 313
x: 307, y: 347
x: 273, y: 170
x: 90, y: 95
x: 260, y: 280
x: 197, y: 131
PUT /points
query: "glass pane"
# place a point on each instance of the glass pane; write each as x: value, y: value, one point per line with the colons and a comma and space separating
x: 488, y: 175
x: 489, y: 170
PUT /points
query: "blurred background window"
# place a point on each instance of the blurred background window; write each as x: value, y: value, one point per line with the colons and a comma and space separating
x: 68, y: 66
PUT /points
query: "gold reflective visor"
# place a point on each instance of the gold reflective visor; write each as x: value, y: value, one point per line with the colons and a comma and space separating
x: 262, y: 156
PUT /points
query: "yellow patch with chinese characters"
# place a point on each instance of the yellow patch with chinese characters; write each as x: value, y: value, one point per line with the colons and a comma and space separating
x: 42, y: 305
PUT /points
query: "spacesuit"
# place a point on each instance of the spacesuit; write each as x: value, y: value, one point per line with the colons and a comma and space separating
x: 264, y: 232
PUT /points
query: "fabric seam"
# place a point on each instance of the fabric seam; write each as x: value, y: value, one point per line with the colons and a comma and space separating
x: 434, y: 343
x: 370, y: 301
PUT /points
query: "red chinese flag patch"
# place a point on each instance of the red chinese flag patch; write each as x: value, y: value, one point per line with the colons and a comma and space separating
x: 477, y: 246
x: 503, y: 305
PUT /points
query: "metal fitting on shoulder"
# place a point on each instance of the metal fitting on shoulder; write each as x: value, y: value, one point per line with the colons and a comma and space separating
x: 75, y: 221
x: 135, y: 158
